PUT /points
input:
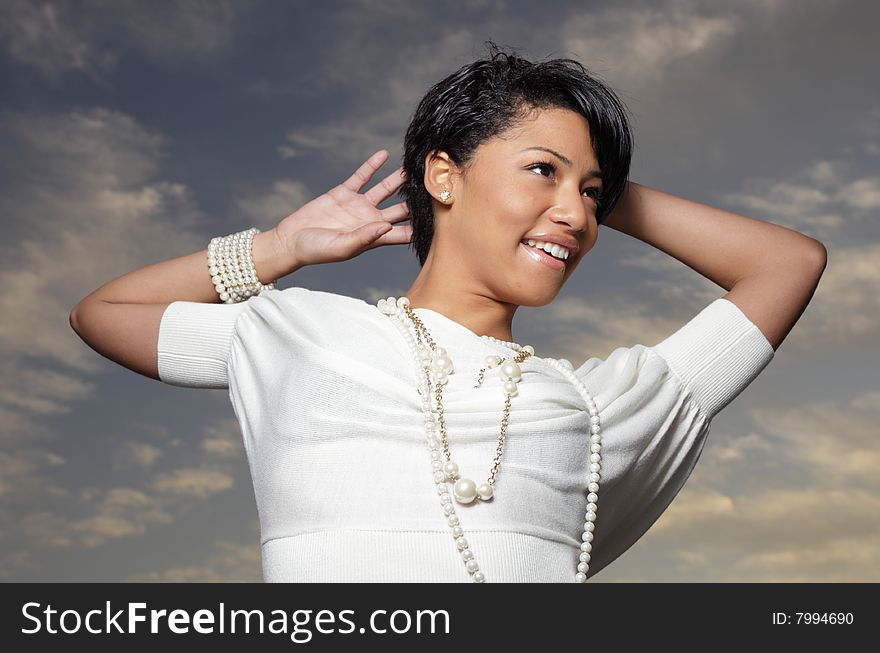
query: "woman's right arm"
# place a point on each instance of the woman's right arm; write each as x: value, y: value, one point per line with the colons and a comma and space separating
x: 120, y: 320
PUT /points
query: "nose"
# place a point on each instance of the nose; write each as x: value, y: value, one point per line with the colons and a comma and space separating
x: 572, y: 209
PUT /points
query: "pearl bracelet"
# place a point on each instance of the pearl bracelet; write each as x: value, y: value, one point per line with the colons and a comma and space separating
x: 231, y: 264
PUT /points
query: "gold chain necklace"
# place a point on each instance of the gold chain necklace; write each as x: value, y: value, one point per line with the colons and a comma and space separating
x: 437, y: 370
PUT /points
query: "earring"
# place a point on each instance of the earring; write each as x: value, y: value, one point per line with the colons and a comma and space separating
x: 445, y: 195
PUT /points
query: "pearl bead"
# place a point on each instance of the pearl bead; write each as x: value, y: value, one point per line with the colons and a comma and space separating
x: 443, y: 364
x: 457, y: 532
x: 467, y: 554
x: 581, y: 577
x: 479, y: 577
x: 510, y: 370
x: 472, y: 566
x: 485, y: 491
x: 464, y: 490
x: 461, y: 543
x: 450, y: 468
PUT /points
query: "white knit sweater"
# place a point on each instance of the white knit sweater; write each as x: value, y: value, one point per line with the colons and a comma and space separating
x: 323, y: 386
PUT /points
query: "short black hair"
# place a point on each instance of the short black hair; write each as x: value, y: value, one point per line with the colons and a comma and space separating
x: 485, y: 98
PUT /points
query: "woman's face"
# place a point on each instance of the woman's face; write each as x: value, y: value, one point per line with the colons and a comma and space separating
x: 517, y: 189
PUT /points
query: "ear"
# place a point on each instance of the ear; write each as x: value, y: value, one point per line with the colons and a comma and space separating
x: 440, y: 174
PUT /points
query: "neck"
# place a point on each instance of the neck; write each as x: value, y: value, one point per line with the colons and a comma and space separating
x: 461, y: 303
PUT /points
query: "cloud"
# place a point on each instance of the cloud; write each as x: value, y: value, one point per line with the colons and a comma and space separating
x: 119, y: 513
x: 596, y: 325
x: 223, y: 440
x: 44, y: 392
x: 268, y: 208
x: 637, y: 44
x: 38, y: 35
x: 25, y: 475
x: 847, y: 455
x: 831, y: 200
x: 59, y: 37
x: 193, y: 482
x: 231, y: 563
x: 790, y: 502
x: 822, y: 200
x: 135, y: 454
x: 380, y: 117
x: 14, y: 562
x: 97, y: 213
x: 797, y: 534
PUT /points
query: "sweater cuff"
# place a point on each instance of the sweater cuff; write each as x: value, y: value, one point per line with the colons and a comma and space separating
x: 716, y: 355
x: 194, y: 343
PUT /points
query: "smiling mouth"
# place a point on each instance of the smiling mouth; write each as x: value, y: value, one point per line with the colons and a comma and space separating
x: 542, y: 257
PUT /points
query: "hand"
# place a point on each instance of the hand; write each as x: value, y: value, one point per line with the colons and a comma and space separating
x: 342, y: 223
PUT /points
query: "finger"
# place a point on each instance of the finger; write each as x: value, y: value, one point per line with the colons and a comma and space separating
x: 363, y: 174
x: 385, y: 188
x: 395, y: 213
x: 399, y: 235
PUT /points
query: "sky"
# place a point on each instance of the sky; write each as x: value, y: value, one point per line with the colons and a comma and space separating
x: 133, y: 132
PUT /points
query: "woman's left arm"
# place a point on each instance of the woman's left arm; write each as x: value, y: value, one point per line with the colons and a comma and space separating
x: 769, y: 271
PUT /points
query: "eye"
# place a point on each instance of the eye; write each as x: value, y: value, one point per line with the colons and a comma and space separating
x: 543, y: 164
x: 593, y: 192
x: 596, y: 194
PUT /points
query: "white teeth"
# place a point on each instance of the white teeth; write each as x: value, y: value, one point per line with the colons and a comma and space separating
x: 557, y: 251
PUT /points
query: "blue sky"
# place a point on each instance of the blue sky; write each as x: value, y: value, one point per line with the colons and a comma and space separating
x: 133, y: 132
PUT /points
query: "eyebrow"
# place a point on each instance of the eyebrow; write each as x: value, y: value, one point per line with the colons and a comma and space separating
x: 590, y: 175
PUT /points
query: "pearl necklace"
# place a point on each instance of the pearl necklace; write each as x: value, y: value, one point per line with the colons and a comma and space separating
x: 433, y: 368
x: 437, y: 371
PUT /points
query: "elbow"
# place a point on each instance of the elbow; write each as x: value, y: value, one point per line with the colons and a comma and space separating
x: 818, y: 255
x: 73, y: 319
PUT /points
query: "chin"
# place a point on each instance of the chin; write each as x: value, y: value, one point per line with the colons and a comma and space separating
x: 534, y: 297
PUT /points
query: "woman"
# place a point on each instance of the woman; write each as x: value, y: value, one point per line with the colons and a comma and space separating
x: 412, y: 440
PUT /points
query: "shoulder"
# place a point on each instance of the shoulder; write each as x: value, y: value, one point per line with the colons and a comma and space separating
x: 631, y: 378
x: 304, y: 314
x: 709, y: 359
